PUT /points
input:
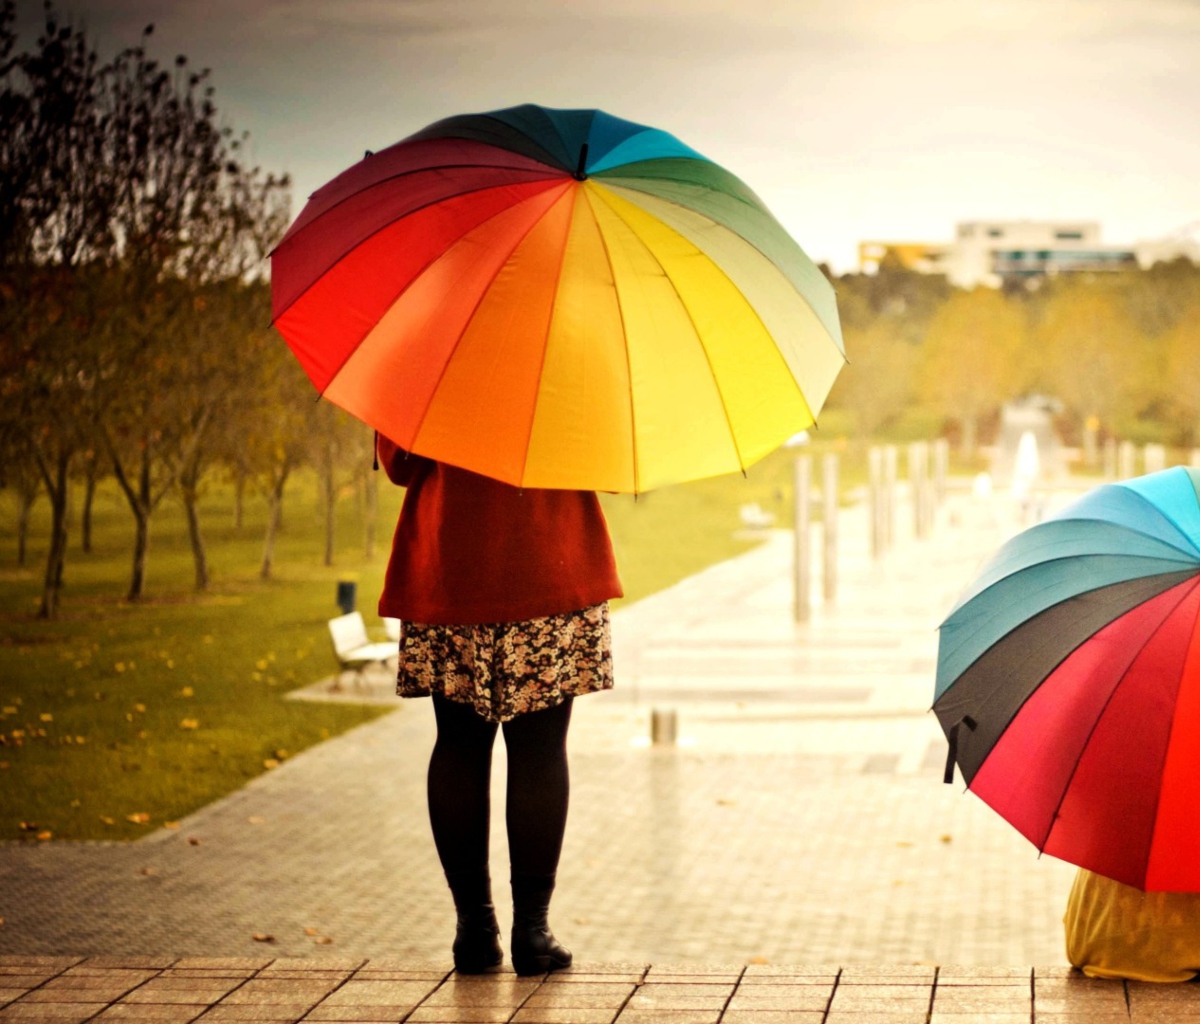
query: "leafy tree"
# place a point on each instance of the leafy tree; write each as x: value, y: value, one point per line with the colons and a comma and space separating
x: 1182, y: 352
x: 969, y: 359
x: 1093, y: 357
x: 877, y: 385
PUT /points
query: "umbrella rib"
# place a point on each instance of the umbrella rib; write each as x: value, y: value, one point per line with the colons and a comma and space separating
x: 383, y: 227
x: 1166, y: 515
x: 625, y: 338
x: 467, y: 326
x: 712, y: 373
x: 1103, y: 711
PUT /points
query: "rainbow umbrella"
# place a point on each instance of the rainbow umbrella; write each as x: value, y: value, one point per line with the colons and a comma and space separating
x: 1069, y: 682
x: 557, y: 298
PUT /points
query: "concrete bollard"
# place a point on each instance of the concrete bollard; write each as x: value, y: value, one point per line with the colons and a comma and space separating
x: 875, y: 476
x: 1110, y: 459
x: 941, y: 468
x: 889, y: 496
x: 664, y: 727
x: 1126, y: 460
x: 802, y: 556
x: 918, y: 475
x: 829, y: 526
x: 1194, y: 460
x: 1154, y: 458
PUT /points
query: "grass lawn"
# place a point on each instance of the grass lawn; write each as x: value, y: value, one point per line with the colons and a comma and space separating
x: 118, y: 718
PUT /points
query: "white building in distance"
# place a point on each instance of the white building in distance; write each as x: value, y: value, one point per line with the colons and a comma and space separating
x: 995, y: 253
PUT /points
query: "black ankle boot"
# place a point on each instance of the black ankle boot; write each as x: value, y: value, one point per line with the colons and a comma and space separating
x: 477, y: 939
x: 535, y: 950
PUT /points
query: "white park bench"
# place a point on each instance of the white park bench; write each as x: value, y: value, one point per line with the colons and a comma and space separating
x: 353, y: 648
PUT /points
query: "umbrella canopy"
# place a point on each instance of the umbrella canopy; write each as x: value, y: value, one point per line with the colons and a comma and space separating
x: 1069, y: 682
x: 557, y: 298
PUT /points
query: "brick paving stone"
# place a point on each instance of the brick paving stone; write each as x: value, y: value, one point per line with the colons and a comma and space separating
x: 794, y: 997
x: 58, y: 963
x: 257, y: 1011
x: 568, y: 997
x: 678, y: 997
x: 632, y: 1015
x: 574, y: 978
x: 364, y: 993
x: 561, y: 1015
x: 881, y: 1017
x: 501, y: 994
x: 460, y: 1015
x: 267, y: 990
x: 986, y: 1017
x: 180, y: 1012
x: 218, y: 962
x: 150, y: 963
x: 983, y: 998
x: 862, y: 1000
x: 773, y: 1017
x: 361, y: 1012
x: 160, y: 990
x: 73, y: 1012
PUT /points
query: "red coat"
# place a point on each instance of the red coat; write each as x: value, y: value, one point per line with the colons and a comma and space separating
x: 469, y: 549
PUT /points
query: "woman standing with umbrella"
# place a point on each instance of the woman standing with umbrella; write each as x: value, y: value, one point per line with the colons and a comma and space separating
x: 539, y: 304
x: 503, y: 594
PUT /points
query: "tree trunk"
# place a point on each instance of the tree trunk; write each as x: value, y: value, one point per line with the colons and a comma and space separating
x: 189, y: 486
x: 239, y: 499
x: 27, y: 497
x: 141, y: 503
x: 371, y: 501
x: 56, y: 487
x: 274, y: 517
x: 141, y: 544
x: 968, y: 437
x: 89, y: 494
x: 330, y: 504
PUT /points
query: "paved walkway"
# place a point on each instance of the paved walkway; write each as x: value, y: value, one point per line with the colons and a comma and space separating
x: 801, y: 819
x: 70, y: 990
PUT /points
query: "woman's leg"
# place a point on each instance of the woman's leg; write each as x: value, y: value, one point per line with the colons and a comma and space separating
x: 459, y: 812
x: 537, y: 796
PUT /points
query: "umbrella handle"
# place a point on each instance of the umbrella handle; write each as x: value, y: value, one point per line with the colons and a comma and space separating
x: 952, y: 746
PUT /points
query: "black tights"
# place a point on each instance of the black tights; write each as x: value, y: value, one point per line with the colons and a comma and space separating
x: 537, y: 791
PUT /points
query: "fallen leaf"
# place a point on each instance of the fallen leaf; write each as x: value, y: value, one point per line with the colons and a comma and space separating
x: 905, y: 844
x: 724, y: 802
x: 187, y: 691
x: 310, y: 931
x: 29, y: 826
x: 208, y: 639
x: 283, y: 755
x: 256, y: 819
x: 140, y: 708
x: 119, y: 666
x: 138, y: 817
x: 947, y: 838
x: 261, y: 664
x: 190, y: 723
x: 107, y: 820
x: 583, y: 920
x: 142, y: 734
x: 80, y: 739
x: 758, y: 960
x: 194, y: 841
x: 10, y: 710
x: 323, y: 940
x: 3, y: 765
x: 170, y: 824
x: 147, y: 871
x: 76, y: 803
x: 270, y: 762
x: 44, y: 835
x: 263, y: 937
x: 45, y: 716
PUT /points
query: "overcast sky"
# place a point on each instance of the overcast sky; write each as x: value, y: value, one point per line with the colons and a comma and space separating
x: 853, y: 119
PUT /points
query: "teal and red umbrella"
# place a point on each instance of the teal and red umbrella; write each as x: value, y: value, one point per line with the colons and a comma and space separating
x: 1068, y: 682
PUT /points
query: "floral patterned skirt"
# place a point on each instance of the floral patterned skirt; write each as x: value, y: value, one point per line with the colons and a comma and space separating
x: 507, y: 669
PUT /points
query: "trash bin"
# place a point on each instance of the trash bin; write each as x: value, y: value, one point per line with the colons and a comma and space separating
x: 347, y: 595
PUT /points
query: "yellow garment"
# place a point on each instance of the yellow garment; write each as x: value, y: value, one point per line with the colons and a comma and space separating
x: 1116, y: 931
